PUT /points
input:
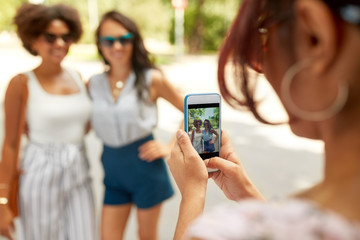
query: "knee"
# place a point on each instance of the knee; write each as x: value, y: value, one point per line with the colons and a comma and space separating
x: 147, y: 235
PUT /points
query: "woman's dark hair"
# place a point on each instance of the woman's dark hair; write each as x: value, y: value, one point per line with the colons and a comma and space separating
x: 243, y: 46
x: 210, y: 126
x: 32, y: 20
x: 140, y: 59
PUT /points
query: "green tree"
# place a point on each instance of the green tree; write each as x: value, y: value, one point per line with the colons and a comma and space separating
x: 206, y: 23
x: 196, y: 113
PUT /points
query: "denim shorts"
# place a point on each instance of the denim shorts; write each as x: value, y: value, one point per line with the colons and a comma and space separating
x: 128, y: 179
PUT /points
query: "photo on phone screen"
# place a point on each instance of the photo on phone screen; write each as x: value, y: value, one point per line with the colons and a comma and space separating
x: 203, y: 123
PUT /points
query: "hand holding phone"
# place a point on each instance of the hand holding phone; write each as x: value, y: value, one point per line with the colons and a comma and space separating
x: 202, y: 117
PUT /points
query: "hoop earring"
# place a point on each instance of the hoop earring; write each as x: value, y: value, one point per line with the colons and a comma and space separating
x: 320, y: 115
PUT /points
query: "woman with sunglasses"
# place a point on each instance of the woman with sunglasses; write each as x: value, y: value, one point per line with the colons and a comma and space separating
x: 207, y: 135
x: 55, y: 195
x: 309, y: 52
x: 124, y: 117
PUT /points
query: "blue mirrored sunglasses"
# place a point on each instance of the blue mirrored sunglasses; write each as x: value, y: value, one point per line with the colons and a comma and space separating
x: 108, y: 41
x: 351, y: 13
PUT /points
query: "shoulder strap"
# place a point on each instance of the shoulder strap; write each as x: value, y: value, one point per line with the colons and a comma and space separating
x: 77, y: 78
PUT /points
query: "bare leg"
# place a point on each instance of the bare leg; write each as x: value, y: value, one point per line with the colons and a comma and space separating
x: 113, y: 222
x: 148, y: 220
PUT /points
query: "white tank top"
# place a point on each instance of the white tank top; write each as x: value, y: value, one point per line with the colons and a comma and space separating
x: 126, y: 120
x: 56, y: 118
x: 197, y: 136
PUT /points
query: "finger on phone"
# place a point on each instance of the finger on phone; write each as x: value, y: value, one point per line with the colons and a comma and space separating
x: 184, y: 141
x: 218, y: 163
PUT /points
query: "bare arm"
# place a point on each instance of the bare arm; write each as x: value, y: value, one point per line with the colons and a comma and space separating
x: 14, y: 98
x: 192, y: 136
x: 160, y: 87
x: 216, y: 134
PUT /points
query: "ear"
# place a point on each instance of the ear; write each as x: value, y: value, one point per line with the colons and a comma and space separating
x: 316, y: 37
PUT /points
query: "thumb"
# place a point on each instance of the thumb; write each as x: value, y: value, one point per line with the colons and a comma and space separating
x: 218, y: 163
x: 184, y: 142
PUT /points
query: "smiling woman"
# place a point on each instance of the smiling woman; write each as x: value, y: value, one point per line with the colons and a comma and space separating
x: 124, y: 117
x: 51, y: 103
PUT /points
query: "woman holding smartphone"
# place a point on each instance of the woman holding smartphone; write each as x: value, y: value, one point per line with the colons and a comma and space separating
x: 124, y: 117
x: 308, y: 50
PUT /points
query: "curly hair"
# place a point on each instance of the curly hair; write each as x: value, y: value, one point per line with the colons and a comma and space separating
x: 32, y: 19
x: 196, y: 121
x: 209, y: 124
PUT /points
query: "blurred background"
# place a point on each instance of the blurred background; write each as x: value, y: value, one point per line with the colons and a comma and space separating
x: 184, y: 38
x: 204, y: 26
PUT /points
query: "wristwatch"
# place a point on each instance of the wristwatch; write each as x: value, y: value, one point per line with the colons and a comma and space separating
x: 3, y: 201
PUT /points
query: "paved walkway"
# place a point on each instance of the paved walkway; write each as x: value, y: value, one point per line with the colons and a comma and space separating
x: 278, y: 162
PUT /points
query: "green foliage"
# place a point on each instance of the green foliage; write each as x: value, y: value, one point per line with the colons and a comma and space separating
x: 199, y: 113
x: 206, y: 21
x: 196, y: 113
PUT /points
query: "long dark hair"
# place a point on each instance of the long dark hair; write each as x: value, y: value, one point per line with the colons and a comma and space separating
x: 140, y: 59
x: 32, y: 19
x: 244, y: 48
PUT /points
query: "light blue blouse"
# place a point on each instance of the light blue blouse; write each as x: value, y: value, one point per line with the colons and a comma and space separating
x: 207, y: 135
x: 126, y: 120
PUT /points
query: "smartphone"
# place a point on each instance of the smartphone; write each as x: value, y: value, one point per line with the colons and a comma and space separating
x: 202, y: 117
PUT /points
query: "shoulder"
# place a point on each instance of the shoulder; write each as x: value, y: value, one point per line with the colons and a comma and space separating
x: 157, y: 76
x: 96, y: 78
x: 74, y: 72
x: 17, y: 89
x: 273, y: 220
x: 18, y: 83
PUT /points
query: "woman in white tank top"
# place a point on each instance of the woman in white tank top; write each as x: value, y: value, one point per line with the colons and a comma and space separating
x: 55, y: 195
x: 197, y: 136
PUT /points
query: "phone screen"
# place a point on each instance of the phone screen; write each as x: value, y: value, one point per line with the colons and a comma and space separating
x: 203, y: 127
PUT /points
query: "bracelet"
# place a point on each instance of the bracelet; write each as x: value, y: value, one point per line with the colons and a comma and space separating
x: 3, y: 201
x: 4, y: 186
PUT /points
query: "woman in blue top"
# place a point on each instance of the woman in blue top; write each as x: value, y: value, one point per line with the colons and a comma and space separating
x: 207, y: 135
x: 124, y: 117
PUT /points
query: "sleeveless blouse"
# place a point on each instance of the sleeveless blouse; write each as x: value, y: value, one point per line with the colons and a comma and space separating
x: 126, y: 120
x: 56, y: 118
x: 207, y: 135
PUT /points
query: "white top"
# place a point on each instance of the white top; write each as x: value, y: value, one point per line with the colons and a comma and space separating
x: 56, y: 118
x: 277, y: 220
x: 126, y: 120
x: 197, y: 142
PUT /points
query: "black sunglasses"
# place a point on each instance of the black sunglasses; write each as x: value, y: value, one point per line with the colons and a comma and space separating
x: 108, y: 41
x: 51, y: 38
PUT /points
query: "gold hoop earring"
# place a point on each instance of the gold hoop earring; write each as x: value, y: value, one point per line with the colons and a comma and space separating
x: 320, y: 115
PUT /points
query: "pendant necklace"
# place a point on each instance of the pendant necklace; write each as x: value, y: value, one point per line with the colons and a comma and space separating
x: 117, y: 89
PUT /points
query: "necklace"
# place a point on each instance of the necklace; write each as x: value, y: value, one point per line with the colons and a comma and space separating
x: 117, y: 89
x: 119, y: 84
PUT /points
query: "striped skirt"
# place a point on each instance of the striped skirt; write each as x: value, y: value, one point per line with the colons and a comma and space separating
x: 56, y: 199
